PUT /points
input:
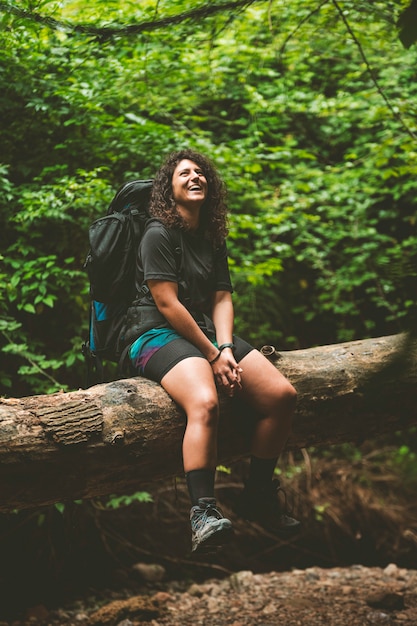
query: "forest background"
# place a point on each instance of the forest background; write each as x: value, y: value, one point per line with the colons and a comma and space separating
x: 307, y: 107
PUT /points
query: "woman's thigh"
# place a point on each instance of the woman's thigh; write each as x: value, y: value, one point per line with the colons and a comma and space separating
x: 191, y: 384
x: 263, y: 385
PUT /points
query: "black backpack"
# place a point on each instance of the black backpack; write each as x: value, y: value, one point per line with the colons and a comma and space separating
x: 110, y: 265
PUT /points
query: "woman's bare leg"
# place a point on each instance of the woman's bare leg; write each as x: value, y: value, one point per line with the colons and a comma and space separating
x: 273, y: 399
x: 190, y: 384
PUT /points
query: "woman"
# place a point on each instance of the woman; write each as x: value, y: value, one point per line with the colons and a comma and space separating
x: 187, y: 344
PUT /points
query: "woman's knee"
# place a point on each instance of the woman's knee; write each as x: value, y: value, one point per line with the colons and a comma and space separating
x: 286, y: 402
x: 204, y: 408
x: 283, y: 404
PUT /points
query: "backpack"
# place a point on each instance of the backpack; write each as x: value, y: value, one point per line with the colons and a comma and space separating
x: 111, y: 265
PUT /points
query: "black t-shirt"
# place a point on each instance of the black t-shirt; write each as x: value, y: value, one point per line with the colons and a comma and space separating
x: 199, y: 269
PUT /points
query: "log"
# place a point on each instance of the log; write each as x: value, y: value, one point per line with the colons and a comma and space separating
x: 121, y: 436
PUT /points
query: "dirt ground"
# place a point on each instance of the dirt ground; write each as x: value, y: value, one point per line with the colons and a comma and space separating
x: 354, y: 563
x: 351, y: 596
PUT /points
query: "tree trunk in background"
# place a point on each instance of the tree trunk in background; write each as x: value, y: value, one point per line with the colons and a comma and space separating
x: 122, y: 436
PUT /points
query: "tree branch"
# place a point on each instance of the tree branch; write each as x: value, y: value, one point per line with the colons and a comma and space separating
x: 202, y: 12
x: 303, y: 21
x: 25, y: 355
x: 371, y: 72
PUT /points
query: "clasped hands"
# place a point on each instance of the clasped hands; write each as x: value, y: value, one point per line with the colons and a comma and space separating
x: 227, y: 372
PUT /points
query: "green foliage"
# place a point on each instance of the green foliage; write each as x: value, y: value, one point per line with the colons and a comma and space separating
x: 320, y: 511
x: 291, y: 470
x: 311, y: 123
x: 117, y: 502
x: 389, y: 455
x: 347, y: 451
x: 405, y: 460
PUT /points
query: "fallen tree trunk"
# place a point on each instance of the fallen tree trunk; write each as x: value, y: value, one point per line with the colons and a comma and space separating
x: 120, y: 436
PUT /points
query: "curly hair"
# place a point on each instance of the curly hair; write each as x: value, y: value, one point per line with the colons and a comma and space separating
x: 213, y: 216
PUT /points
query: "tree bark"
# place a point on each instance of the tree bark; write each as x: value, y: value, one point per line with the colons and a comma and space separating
x: 122, y: 436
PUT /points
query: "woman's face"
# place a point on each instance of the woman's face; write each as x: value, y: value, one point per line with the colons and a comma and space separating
x: 189, y: 185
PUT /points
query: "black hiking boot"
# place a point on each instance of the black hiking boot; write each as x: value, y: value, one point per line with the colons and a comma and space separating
x: 209, y: 529
x: 266, y: 507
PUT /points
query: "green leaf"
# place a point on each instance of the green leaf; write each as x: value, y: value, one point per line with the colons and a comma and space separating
x: 29, y: 308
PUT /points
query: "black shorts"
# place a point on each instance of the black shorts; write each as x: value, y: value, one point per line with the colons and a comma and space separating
x: 175, y: 351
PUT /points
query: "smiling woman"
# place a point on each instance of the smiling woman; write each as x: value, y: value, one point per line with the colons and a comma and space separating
x: 181, y: 336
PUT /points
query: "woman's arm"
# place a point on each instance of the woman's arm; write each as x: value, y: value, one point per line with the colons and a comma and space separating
x: 223, y: 316
x: 225, y: 369
x: 165, y: 295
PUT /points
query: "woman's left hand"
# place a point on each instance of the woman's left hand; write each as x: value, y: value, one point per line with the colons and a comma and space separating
x: 227, y: 372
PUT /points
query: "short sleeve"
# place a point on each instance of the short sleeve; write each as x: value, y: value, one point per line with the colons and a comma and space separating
x: 156, y: 254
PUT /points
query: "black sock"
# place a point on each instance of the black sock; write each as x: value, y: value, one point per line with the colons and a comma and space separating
x: 200, y: 484
x: 261, y: 471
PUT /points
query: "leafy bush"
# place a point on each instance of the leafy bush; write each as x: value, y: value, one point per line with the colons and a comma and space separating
x: 312, y: 131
